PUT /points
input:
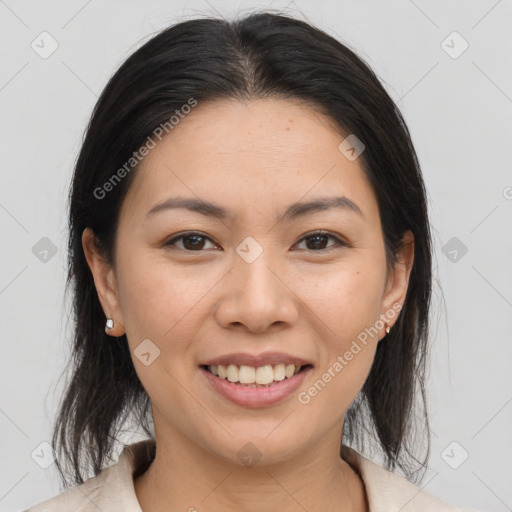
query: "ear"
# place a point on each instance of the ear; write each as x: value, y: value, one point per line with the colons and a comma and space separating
x: 398, y: 282
x: 104, y: 280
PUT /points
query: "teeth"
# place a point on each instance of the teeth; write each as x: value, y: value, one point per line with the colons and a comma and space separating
x: 232, y: 373
x: 221, y: 369
x: 279, y: 372
x: 263, y: 375
x: 246, y: 374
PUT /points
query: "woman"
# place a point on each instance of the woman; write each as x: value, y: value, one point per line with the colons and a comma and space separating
x: 250, y: 257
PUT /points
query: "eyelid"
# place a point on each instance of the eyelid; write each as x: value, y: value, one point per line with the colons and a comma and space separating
x: 340, y: 242
x: 186, y: 234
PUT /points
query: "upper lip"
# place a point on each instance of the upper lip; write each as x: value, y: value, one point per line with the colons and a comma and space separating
x: 271, y: 358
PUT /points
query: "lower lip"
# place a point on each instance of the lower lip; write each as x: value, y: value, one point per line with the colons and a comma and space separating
x: 256, y: 397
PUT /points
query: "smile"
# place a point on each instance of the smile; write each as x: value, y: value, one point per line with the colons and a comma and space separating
x: 252, y: 376
x: 255, y: 386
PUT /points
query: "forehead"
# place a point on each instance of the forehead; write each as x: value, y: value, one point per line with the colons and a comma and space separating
x: 274, y: 127
x: 252, y: 154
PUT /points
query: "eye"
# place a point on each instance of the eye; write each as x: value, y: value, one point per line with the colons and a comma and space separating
x: 192, y: 241
x: 318, y: 239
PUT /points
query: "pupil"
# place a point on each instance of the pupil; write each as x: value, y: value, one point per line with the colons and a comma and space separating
x: 194, y: 244
x: 316, y: 237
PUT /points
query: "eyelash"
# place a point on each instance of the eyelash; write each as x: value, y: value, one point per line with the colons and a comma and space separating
x: 340, y: 242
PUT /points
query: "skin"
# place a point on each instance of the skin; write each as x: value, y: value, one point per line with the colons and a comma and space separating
x: 255, y: 159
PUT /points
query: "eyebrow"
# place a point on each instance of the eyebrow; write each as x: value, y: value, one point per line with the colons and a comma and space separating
x: 294, y: 211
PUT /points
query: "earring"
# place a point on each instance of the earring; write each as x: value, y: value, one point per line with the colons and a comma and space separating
x: 109, y: 324
x: 387, y: 328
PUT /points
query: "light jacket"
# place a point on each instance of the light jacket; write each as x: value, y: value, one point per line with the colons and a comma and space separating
x: 112, y: 490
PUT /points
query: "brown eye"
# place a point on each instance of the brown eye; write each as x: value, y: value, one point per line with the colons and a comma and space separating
x: 189, y: 241
x: 195, y: 242
x: 318, y: 241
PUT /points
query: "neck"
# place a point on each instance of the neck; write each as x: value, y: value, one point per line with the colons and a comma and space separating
x: 185, y: 476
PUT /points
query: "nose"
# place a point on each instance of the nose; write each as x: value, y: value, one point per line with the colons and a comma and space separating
x: 257, y: 296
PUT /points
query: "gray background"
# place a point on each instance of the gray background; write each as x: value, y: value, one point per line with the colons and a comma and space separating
x: 458, y: 107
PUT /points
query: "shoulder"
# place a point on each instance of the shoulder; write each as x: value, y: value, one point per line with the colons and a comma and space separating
x: 112, y: 490
x: 390, y: 492
x: 96, y: 493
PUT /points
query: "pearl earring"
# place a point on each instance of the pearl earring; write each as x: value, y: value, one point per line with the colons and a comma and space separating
x: 109, y: 324
x: 387, y: 328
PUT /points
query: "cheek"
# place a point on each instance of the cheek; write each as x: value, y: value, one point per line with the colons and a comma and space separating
x: 347, y: 303
x: 347, y: 297
x: 158, y: 305
x: 155, y: 296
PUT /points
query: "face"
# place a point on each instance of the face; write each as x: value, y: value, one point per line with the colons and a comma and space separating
x: 250, y: 280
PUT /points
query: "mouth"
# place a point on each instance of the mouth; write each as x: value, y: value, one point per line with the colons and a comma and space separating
x: 256, y: 377
x: 255, y: 387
